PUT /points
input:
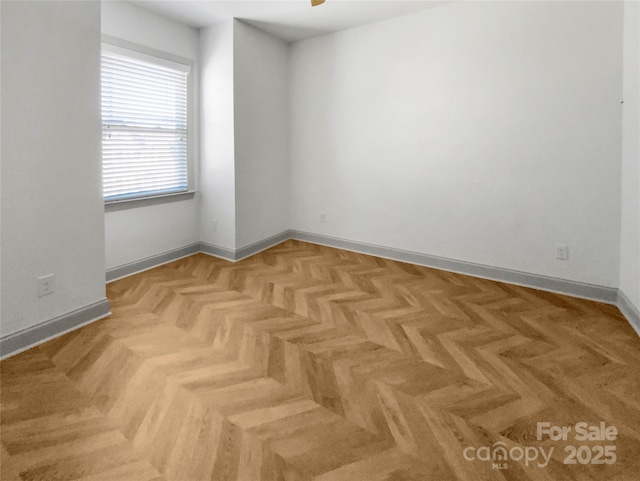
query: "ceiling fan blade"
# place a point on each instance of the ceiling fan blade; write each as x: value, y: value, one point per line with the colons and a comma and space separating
x: 315, y: 3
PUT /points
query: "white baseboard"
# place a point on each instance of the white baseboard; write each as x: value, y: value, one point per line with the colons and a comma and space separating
x: 19, y: 341
x: 150, y: 262
x: 545, y: 283
x: 629, y: 311
x: 32, y: 336
x: 246, y: 251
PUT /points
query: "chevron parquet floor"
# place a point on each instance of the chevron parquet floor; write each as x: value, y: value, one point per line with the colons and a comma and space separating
x: 306, y: 362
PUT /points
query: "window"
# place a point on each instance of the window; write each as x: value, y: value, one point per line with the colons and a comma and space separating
x: 144, y: 125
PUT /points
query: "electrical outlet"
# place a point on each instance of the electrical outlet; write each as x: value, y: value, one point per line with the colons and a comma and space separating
x: 45, y: 285
x: 323, y: 217
x: 214, y: 225
x: 562, y: 252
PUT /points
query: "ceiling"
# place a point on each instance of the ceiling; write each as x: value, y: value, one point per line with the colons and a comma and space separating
x: 290, y: 20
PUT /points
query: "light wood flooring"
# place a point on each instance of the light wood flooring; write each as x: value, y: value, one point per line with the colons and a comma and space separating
x: 306, y: 362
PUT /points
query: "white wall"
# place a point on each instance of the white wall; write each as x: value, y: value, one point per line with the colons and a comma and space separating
x: 0, y: 174
x: 217, y: 156
x: 261, y: 134
x: 630, y: 238
x: 484, y: 132
x: 135, y: 234
x: 52, y: 208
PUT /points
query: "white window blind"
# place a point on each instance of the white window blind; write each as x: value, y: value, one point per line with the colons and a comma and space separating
x: 144, y: 125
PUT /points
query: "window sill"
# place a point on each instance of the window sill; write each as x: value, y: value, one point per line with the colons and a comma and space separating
x: 147, y: 201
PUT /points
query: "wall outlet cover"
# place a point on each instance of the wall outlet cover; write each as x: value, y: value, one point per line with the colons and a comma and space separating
x: 562, y: 252
x: 45, y: 285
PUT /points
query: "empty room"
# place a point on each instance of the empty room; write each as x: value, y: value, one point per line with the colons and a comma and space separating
x: 319, y: 240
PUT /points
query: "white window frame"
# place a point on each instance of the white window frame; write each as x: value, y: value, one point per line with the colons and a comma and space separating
x: 147, y: 54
